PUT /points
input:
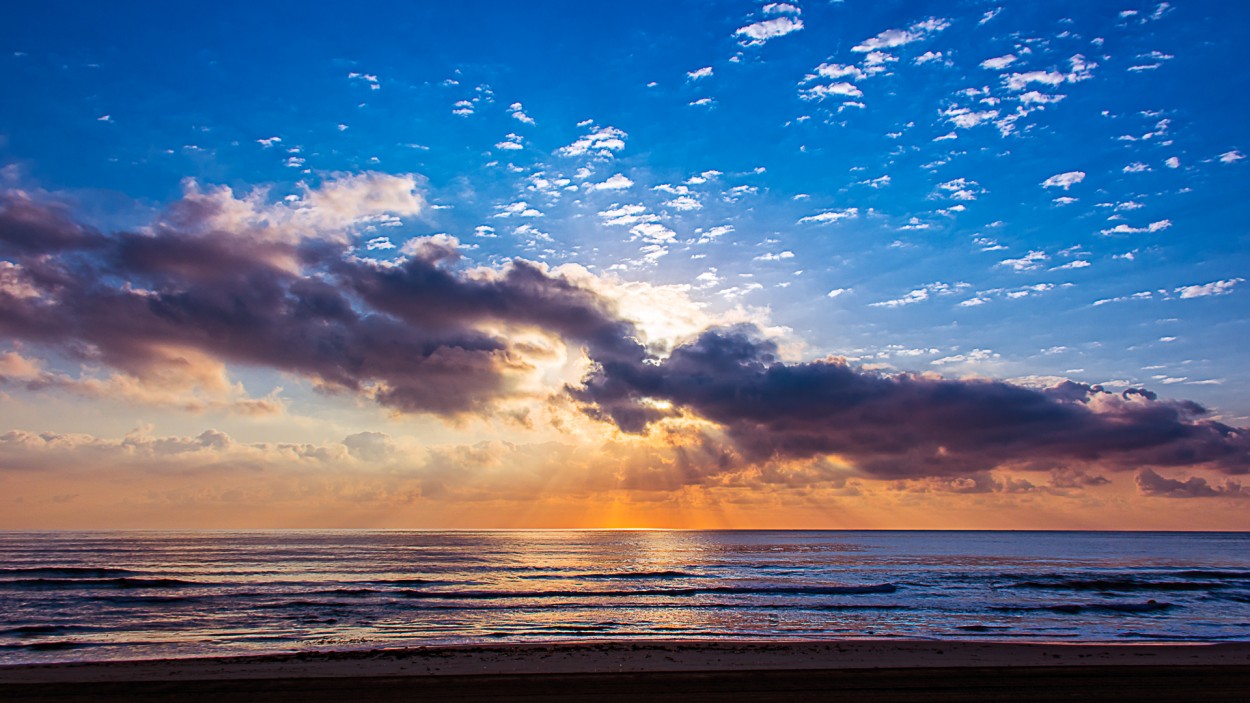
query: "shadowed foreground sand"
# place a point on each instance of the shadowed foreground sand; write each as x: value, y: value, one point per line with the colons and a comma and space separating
x: 853, y: 671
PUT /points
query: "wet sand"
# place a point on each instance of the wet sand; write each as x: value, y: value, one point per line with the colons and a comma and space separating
x: 689, y: 672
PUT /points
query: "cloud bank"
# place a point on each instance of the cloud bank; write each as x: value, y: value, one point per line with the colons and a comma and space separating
x: 238, y: 280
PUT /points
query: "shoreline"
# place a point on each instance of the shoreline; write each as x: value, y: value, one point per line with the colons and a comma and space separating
x: 863, y: 671
x: 637, y: 657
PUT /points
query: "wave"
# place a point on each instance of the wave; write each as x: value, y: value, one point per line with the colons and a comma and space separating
x: 1150, y: 606
x: 881, y: 588
x: 125, y: 582
x: 69, y: 571
x: 619, y: 575
x: 1122, y: 585
x: 45, y: 630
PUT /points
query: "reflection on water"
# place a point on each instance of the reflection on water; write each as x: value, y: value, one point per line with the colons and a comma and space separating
x: 71, y: 596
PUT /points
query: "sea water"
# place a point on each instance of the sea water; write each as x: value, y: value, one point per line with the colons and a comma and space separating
x: 78, y: 596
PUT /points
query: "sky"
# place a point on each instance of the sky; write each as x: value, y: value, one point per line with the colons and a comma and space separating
x: 857, y: 264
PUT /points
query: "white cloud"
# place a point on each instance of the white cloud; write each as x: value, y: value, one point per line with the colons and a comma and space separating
x: 998, y: 63
x: 518, y: 209
x: 964, y: 118
x: 1209, y: 289
x: 684, y: 202
x: 616, y: 182
x: 961, y: 189
x: 1173, y: 162
x: 463, y: 108
x: 511, y: 142
x: 713, y: 233
x: 1018, y: 81
x: 989, y: 15
x: 820, y: 92
x: 1029, y: 262
x: 1064, y: 180
x: 1078, y: 264
x: 775, y: 257
x: 379, y: 244
x: 1229, y: 157
x: 626, y: 215
x: 837, y: 70
x: 1136, y: 167
x: 702, y: 102
x: 268, y: 141
x: 972, y: 356
x: 837, y: 292
x: 600, y: 142
x: 701, y: 178
x: 1122, y: 228
x: 928, y: 56
x: 891, y: 38
x: 921, y: 294
x: 518, y: 113
x: 704, y: 72
x: 653, y: 233
x: 830, y: 216
x: 1033, y: 97
x: 761, y: 32
x: 781, y: 8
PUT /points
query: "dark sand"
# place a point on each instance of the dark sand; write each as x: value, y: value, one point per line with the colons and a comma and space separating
x: 685, y: 672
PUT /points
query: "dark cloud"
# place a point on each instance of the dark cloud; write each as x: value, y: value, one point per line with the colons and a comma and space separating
x: 1152, y: 484
x: 31, y: 227
x: 907, y: 425
x: 410, y: 335
x: 423, y: 335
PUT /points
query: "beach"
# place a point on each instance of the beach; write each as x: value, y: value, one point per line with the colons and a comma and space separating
x: 850, y: 670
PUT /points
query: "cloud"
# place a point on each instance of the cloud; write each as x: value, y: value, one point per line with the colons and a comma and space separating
x: 518, y: 113
x: 1157, y: 226
x: 1018, y: 81
x: 891, y: 38
x: 684, y: 203
x: 761, y: 32
x: 1209, y: 289
x: 779, y: 256
x: 615, y: 182
x: 999, y: 63
x: 964, y: 118
x: 840, y: 89
x: 1064, y: 180
x: 1229, y: 157
x: 920, y: 295
x: 705, y: 72
x: 601, y: 141
x: 961, y: 189
x: 1029, y: 262
x: 424, y: 334
x: 781, y: 8
x: 905, y: 425
x: 835, y: 71
x: 830, y: 216
x: 414, y: 335
x: 626, y: 215
x: 1152, y: 484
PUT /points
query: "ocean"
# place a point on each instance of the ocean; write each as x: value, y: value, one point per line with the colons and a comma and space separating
x: 86, y: 596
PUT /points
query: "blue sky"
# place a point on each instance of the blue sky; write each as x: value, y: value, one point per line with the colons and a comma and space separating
x: 1028, y: 192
